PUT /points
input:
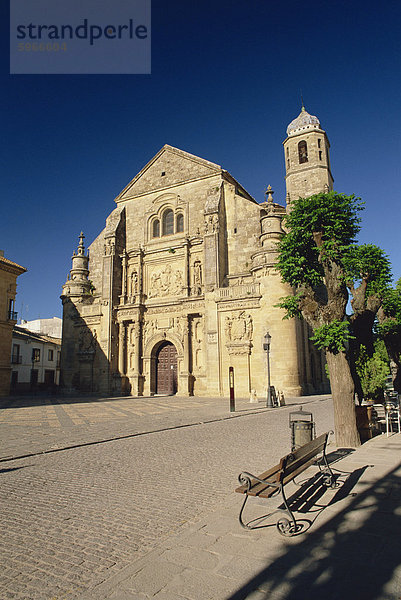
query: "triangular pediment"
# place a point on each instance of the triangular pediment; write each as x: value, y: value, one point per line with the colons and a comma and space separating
x: 168, y: 168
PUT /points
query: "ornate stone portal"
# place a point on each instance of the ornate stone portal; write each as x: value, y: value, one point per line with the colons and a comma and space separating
x: 184, y: 271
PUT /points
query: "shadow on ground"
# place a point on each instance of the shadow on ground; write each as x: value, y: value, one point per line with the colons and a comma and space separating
x: 353, y: 555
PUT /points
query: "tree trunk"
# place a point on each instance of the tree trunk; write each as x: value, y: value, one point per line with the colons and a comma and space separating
x: 342, y: 390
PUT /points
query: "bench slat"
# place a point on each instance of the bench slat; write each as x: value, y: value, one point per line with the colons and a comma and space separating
x: 272, y: 475
x: 295, y: 460
x: 290, y: 467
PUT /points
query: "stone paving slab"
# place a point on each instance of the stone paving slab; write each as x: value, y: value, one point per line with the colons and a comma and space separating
x: 154, y: 514
x: 352, y: 550
x: 74, y: 518
x: 27, y: 427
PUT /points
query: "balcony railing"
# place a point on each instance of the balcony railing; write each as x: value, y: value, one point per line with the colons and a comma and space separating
x: 12, y: 315
x: 16, y: 360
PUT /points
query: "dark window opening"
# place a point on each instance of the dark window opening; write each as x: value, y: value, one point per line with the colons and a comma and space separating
x: 179, y: 223
x: 320, y: 155
x: 156, y: 228
x: 15, y: 356
x: 302, y: 152
x: 168, y: 222
x: 163, y: 173
x: 319, y: 141
x: 50, y: 355
x: 235, y: 230
x: 35, y: 354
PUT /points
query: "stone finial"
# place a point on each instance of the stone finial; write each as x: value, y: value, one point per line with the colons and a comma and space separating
x: 269, y: 193
x: 81, y: 247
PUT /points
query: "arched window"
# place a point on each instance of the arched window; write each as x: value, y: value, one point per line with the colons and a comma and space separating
x: 179, y: 223
x: 168, y: 222
x: 302, y: 152
x: 156, y: 228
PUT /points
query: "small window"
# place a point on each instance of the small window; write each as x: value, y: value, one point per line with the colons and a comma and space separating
x: 179, y: 223
x: 320, y: 155
x: 302, y: 152
x: 35, y: 354
x: 168, y: 222
x: 50, y: 355
x: 163, y: 173
x: 15, y: 356
x: 319, y: 141
x: 156, y: 228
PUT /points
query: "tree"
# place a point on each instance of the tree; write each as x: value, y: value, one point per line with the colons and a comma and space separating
x: 321, y: 233
x: 373, y: 371
x: 389, y: 330
x: 368, y: 278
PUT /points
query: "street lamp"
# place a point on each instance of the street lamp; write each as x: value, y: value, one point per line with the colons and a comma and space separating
x: 266, y: 346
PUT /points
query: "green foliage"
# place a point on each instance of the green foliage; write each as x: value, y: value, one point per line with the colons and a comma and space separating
x: 291, y: 306
x: 391, y: 304
x: 373, y: 372
x: 334, y: 217
x: 332, y: 337
x: 368, y: 262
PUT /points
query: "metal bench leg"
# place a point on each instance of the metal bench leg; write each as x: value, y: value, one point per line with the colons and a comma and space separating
x: 244, y: 525
x: 284, y: 526
x: 329, y: 479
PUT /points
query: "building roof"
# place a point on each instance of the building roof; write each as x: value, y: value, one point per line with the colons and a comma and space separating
x: 303, y: 121
x: 24, y: 334
x: 5, y: 262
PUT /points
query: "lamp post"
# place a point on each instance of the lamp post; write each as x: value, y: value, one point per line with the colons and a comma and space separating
x: 266, y: 346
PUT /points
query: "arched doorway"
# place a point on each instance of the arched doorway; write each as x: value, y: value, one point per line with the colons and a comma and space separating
x: 166, y: 369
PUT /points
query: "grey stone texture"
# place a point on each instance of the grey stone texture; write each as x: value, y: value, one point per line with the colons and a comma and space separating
x: 155, y: 515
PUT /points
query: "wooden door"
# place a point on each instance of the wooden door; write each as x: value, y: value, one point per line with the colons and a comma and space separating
x: 166, y: 369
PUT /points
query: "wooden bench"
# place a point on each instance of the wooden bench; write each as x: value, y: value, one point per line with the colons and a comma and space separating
x: 275, y: 479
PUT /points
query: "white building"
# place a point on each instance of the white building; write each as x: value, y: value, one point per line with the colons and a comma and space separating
x: 51, y: 327
x: 35, y: 360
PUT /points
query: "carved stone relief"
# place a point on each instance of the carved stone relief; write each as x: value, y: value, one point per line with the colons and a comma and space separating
x: 167, y: 282
x: 197, y: 343
x: 181, y: 326
x: 197, y: 278
x: 238, y: 328
x: 87, y: 340
x: 212, y: 223
x: 109, y: 247
x: 134, y: 284
x: 149, y: 328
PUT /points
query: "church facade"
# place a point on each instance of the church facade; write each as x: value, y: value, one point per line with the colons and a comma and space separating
x: 181, y: 283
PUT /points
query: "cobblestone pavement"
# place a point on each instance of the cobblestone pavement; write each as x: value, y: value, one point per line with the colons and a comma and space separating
x: 72, y: 519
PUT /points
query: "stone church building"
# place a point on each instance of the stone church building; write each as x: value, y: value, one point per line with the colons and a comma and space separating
x: 181, y: 283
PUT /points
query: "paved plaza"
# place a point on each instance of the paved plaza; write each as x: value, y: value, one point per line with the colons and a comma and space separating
x: 133, y: 499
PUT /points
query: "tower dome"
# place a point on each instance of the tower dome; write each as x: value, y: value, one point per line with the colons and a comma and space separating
x: 304, y: 121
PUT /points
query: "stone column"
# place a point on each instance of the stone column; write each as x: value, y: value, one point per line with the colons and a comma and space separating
x: 140, y: 275
x: 135, y: 370
x: 121, y: 348
x: 187, y: 282
x: 185, y: 376
x: 124, y: 278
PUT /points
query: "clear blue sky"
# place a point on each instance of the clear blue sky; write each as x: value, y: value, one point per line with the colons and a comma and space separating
x: 225, y: 83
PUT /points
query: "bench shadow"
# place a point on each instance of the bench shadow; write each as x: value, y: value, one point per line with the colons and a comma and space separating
x: 305, y: 500
x: 354, y: 554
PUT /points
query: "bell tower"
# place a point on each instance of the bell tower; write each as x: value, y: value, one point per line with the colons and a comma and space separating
x: 307, y: 158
